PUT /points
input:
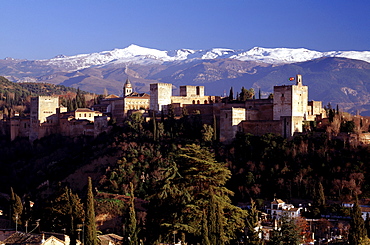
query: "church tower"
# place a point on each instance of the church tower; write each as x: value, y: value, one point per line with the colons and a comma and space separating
x: 127, y: 88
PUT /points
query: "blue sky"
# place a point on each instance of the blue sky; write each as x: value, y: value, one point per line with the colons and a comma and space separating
x: 42, y: 29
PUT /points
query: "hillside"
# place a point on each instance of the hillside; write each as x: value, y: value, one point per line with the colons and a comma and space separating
x: 34, y: 89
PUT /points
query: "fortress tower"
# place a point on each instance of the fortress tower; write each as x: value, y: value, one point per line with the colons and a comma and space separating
x: 42, y: 107
x: 188, y: 91
x: 290, y: 106
x: 160, y: 95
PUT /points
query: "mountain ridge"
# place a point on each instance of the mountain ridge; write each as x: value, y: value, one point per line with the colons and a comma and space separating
x: 336, y: 80
x: 141, y: 55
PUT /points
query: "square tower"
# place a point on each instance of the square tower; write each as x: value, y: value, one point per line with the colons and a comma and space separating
x: 42, y: 107
x: 188, y: 90
x: 160, y: 95
x: 290, y: 100
x: 290, y: 105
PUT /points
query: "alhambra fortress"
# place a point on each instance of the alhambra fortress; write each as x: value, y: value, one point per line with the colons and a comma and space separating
x: 285, y: 113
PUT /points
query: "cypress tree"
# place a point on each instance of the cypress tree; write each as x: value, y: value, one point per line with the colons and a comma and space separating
x: 357, y: 231
x: 16, y: 206
x: 319, y: 195
x: 155, y: 134
x: 91, y: 234
x: 214, y: 128
x: 231, y: 94
x: 132, y: 231
x: 252, y: 223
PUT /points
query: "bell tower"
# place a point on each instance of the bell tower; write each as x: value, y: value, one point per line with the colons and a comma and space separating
x: 299, y: 80
x: 127, y: 88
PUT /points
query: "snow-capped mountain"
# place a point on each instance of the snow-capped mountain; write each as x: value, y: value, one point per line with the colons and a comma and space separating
x: 134, y: 54
x: 338, y: 77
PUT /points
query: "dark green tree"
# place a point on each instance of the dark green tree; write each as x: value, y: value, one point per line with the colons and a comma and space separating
x: 80, y: 99
x: 252, y: 223
x: 214, y: 128
x: 90, y: 233
x: 246, y: 94
x: 231, y: 94
x: 319, y: 195
x: 66, y: 212
x: 184, y: 196
x: 357, y: 231
x: 288, y: 233
x: 155, y: 131
x: 132, y: 229
x: 207, y: 133
x: 16, y: 206
x: 135, y: 123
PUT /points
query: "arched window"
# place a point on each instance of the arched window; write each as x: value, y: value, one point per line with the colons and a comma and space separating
x: 205, y: 102
x: 198, y: 102
x: 193, y: 102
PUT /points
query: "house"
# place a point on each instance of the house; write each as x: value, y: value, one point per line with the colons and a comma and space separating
x: 39, y: 239
x: 279, y: 208
x: 110, y: 239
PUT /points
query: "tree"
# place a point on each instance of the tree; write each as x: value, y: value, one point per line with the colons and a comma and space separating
x: 207, y: 133
x: 246, y: 94
x: 132, y: 230
x: 367, y: 223
x: 80, y: 99
x: 16, y: 207
x: 288, y: 232
x: 357, y: 231
x: 212, y: 224
x: 214, y: 128
x: 135, y: 122
x: 66, y: 212
x: 90, y: 234
x: 252, y: 223
x: 319, y: 197
x: 231, y: 94
x: 155, y: 131
x: 193, y: 184
x: 205, y: 231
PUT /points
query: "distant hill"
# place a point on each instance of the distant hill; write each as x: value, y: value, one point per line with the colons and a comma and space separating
x: 337, y: 77
x: 34, y: 89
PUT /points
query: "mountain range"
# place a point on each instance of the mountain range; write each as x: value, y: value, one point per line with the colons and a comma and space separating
x: 336, y: 77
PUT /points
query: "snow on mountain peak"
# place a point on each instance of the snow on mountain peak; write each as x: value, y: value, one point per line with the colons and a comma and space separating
x: 137, y: 54
x: 278, y: 55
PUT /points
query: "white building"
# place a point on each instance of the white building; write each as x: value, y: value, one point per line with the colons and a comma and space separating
x: 278, y: 208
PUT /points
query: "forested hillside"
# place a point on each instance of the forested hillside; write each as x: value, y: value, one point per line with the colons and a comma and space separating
x: 16, y: 96
x: 190, y: 183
